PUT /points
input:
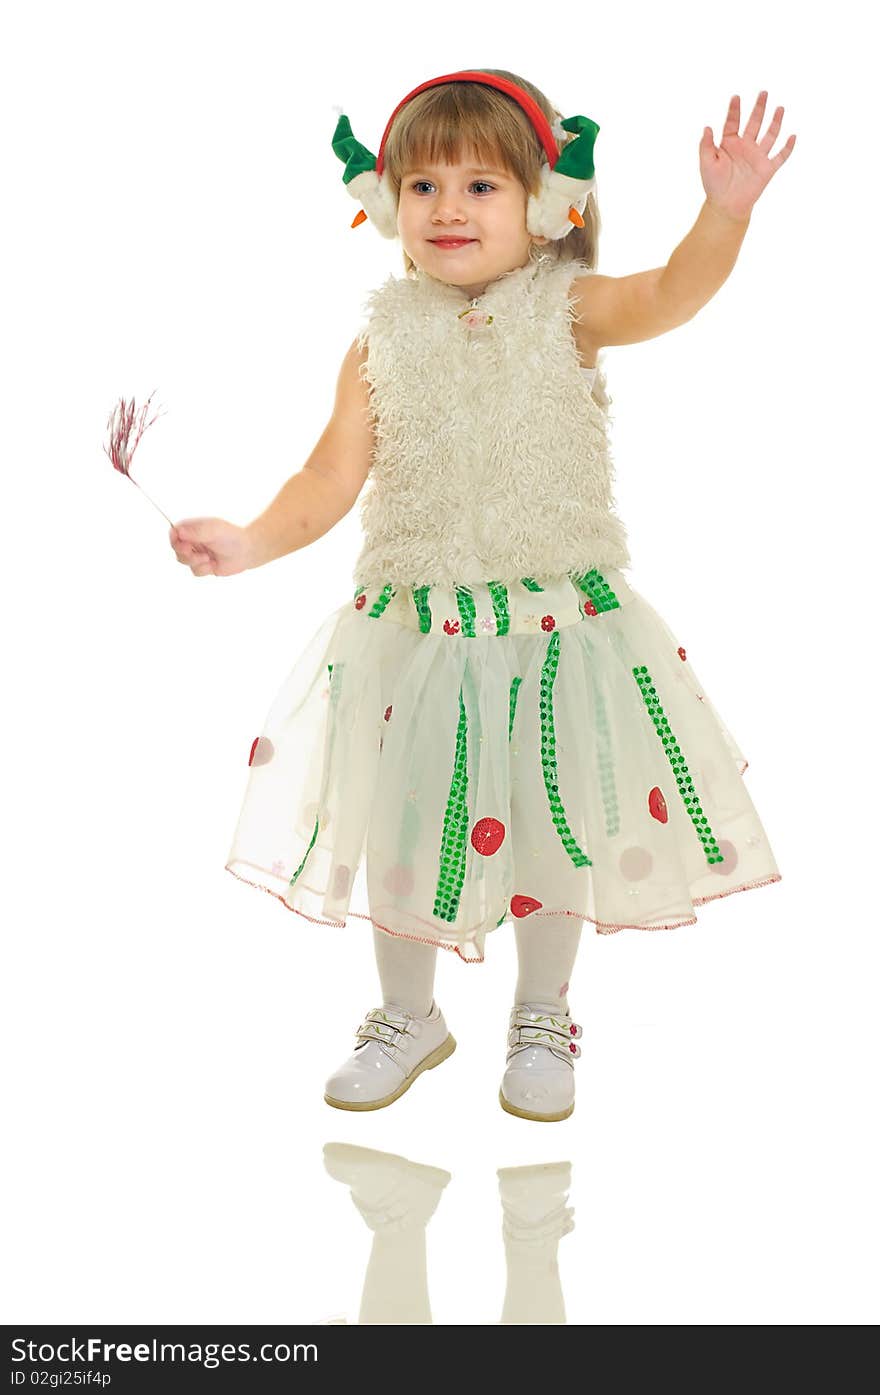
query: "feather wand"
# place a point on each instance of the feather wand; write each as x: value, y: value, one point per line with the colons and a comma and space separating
x: 120, y: 448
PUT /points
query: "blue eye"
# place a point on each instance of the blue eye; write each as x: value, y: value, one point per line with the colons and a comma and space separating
x: 417, y: 183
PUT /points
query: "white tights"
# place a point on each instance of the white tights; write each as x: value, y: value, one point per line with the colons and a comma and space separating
x: 546, y: 947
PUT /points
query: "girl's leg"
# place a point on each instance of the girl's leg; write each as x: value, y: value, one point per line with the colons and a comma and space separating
x: 538, y: 1082
x: 406, y: 971
x: 376, y: 1074
x: 546, y: 947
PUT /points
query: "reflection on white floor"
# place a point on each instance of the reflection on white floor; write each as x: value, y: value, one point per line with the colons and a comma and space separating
x: 397, y: 1198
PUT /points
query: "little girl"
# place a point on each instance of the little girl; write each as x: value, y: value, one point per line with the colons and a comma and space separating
x: 497, y: 727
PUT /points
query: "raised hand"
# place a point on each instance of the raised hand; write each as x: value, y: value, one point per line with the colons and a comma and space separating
x: 736, y: 173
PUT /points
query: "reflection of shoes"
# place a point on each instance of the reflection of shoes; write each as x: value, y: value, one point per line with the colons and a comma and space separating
x: 390, y: 1192
x: 395, y: 1047
x: 533, y: 1202
x: 539, y: 1080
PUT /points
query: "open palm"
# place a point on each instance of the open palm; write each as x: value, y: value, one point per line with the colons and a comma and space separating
x: 736, y: 172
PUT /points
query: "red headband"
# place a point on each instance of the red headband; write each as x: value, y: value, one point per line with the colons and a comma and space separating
x: 528, y: 104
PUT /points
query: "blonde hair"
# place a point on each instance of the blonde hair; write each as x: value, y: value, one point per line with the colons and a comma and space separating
x: 444, y: 123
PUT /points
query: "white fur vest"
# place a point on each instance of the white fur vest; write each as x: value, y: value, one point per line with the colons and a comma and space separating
x: 492, y: 460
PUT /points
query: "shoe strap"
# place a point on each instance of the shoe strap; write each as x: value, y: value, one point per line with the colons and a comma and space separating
x: 556, y: 1031
x: 558, y: 1022
x: 391, y: 1026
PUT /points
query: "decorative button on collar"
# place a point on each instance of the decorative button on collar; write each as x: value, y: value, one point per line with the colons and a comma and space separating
x: 475, y: 319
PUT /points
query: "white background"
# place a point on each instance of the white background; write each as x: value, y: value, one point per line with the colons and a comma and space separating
x: 175, y: 219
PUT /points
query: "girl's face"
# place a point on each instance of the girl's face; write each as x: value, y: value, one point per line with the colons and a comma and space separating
x: 484, y: 206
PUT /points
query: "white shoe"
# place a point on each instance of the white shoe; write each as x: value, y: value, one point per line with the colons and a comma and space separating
x: 539, y: 1080
x: 395, y: 1047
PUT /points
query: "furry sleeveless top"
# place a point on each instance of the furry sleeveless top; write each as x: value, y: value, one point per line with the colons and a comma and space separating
x: 492, y: 460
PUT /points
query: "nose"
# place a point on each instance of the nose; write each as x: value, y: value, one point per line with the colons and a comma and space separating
x: 446, y: 210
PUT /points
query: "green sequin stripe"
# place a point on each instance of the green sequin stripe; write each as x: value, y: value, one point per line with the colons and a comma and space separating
x: 335, y: 671
x: 467, y: 609
x: 423, y: 610
x: 530, y: 584
x: 548, y: 755
x: 500, y: 606
x: 606, y: 766
x: 514, y: 694
x: 306, y: 853
x: 453, y: 845
x: 677, y: 761
x: 598, y: 590
x: 381, y: 600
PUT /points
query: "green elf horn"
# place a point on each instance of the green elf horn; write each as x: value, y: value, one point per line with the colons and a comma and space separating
x: 576, y: 158
x: 374, y: 193
x: 357, y: 157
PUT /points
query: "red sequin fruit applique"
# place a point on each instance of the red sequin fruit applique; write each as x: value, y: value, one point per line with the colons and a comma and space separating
x: 360, y: 602
x: 589, y: 608
x: 657, y: 805
x: 548, y: 623
x: 487, y: 835
x: 682, y: 655
x: 451, y: 627
x: 262, y: 751
x: 524, y: 905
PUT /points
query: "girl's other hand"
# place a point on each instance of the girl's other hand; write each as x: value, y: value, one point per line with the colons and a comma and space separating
x: 211, y: 546
x: 736, y: 174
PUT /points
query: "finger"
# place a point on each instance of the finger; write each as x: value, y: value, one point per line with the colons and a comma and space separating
x: 772, y: 131
x: 757, y: 116
x: 731, y: 124
x: 784, y: 153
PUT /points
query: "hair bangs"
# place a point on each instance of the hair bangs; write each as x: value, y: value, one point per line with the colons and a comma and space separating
x: 463, y: 123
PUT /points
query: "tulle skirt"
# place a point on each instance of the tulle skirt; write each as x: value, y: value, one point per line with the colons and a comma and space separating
x: 440, y: 761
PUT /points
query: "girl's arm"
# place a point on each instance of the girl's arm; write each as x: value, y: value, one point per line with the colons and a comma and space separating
x: 628, y: 309
x: 324, y: 490
x: 624, y: 310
